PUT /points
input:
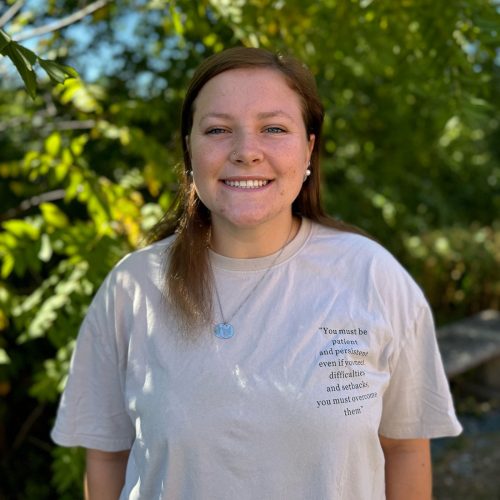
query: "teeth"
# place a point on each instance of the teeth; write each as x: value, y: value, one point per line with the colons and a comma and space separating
x: 248, y: 184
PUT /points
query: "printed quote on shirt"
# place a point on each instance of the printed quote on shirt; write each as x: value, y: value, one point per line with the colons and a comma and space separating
x: 343, y: 361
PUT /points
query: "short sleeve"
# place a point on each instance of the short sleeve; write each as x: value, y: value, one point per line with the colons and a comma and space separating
x: 92, y: 409
x: 417, y: 402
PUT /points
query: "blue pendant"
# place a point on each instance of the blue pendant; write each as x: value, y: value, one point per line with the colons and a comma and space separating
x: 223, y: 330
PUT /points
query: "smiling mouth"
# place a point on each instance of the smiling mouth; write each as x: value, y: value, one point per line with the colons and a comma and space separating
x: 247, y: 184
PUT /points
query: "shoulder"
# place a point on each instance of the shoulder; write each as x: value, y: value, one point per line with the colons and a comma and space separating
x: 350, y: 246
x: 139, y: 272
x: 144, y: 261
x: 365, y: 264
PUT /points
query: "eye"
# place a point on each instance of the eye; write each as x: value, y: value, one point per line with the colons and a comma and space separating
x: 216, y: 131
x: 275, y: 130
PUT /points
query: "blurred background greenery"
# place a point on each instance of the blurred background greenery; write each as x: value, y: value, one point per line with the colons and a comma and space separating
x: 411, y: 154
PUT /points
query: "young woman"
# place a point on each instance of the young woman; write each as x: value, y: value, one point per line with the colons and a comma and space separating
x: 258, y: 349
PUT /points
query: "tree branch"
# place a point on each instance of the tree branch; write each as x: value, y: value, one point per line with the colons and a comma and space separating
x: 62, y: 23
x: 10, y: 13
x: 34, y: 201
x: 27, y: 425
x: 71, y: 125
x: 53, y: 125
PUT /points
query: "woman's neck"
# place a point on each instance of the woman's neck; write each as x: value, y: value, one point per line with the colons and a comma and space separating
x: 253, y: 242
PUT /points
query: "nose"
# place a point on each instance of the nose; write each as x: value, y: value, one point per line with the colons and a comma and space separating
x: 246, y: 150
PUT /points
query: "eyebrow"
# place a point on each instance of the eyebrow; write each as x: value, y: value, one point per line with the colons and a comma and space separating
x: 272, y: 114
x: 261, y: 116
x: 215, y: 115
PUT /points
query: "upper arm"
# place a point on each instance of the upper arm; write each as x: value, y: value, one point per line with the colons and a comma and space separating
x: 105, y: 474
x: 408, y: 473
x: 414, y: 451
x: 106, y: 456
x: 404, y: 445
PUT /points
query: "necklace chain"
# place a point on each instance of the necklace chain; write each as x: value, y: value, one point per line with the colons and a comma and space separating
x: 225, y: 330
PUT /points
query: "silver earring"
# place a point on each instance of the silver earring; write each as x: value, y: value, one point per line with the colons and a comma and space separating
x: 190, y: 173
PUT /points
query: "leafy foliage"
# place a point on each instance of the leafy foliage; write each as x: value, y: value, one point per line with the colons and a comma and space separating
x: 411, y: 91
x: 24, y: 60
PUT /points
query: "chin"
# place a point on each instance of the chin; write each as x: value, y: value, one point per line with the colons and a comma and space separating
x: 249, y: 217
x: 253, y: 220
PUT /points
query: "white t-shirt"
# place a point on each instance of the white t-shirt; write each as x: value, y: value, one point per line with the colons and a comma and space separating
x: 334, y: 347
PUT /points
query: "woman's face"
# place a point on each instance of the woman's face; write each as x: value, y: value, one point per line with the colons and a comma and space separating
x: 249, y: 148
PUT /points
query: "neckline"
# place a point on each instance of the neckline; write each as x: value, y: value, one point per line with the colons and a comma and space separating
x: 260, y: 263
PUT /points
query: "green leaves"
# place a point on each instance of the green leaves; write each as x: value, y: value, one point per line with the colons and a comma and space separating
x: 4, y: 40
x: 58, y: 73
x: 4, y: 357
x: 24, y: 60
x: 53, y: 216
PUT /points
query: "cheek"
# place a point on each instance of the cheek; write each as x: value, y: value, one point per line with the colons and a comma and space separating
x: 206, y: 161
x: 199, y: 151
x: 197, y: 159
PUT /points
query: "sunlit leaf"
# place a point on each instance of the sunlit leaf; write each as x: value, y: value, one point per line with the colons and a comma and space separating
x: 22, y: 228
x: 8, y: 263
x: 53, y: 216
x: 4, y: 41
x: 45, y: 253
x: 176, y: 19
x: 53, y: 144
x: 58, y: 73
x: 23, y: 59
x: 4, y: 357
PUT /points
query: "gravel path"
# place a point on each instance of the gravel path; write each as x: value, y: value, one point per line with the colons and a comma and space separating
x: 468, y: 467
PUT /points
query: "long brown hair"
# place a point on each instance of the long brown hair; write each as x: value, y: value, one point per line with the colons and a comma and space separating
x: 188, y: 275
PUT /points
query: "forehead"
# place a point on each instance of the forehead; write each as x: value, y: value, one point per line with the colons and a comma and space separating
x: 257, y: 88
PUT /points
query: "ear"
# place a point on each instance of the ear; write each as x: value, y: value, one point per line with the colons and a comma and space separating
x: 310, y: 145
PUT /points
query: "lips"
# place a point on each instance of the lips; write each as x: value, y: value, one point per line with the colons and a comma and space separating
x: 247, y: 183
